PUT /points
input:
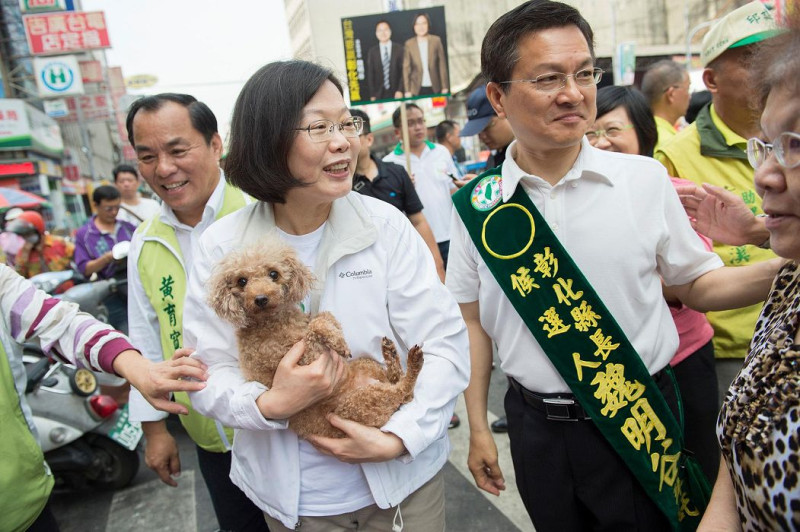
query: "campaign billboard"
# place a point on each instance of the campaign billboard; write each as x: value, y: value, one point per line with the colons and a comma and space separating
x: 398, y: 55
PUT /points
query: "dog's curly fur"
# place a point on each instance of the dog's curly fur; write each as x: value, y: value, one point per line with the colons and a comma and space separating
x: 258, y: 289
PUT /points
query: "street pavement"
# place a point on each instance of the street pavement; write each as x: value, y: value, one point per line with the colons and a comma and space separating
x: 149, y: 505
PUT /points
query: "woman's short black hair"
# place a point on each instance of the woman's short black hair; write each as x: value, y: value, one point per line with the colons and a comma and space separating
x: 634, y: 102
x: 263, y: 124
x: 425, y: 16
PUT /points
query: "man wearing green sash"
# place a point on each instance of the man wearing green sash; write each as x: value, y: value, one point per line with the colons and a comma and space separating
x: 179, y: 148
x: 557, y: 257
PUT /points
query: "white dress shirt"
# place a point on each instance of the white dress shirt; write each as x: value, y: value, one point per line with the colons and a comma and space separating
x: 621, y: 222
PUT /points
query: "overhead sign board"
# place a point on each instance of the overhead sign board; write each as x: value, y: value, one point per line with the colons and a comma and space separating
x: 91, y: 71
x: 24, y: 126
x: 60, y: 33
x: 57, y: 76
x: 140, y: 81
x: 56, y: 108
x: 38, y: 6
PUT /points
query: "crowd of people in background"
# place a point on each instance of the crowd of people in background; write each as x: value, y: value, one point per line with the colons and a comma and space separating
x: 625, y: 305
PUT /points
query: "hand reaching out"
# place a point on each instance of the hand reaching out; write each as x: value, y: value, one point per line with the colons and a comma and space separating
x: 721, y: 215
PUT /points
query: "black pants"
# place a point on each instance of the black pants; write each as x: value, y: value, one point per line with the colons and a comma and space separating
x: 235, y: 512
x: 697, y: 379
x: 571, y: 479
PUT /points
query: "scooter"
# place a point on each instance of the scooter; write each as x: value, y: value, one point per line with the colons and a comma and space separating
x: 86, y: 437
x: 69, y: 285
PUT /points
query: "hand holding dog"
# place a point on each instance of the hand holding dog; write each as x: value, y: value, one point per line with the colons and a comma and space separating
x: 360, y: 444
x: 296, y: 387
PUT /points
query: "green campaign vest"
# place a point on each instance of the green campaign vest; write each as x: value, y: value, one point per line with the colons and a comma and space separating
x: 585, y: 344
x: 25, y: 481
x: 163, y: 277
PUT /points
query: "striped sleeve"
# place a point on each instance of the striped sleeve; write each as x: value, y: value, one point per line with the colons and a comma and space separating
x: 61, y: 328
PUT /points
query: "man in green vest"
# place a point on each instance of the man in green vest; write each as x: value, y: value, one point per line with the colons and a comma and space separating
x: 178, y: 147
x: 713, y: 150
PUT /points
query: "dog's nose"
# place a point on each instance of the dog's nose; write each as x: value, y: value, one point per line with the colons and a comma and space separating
x: 261, y: 301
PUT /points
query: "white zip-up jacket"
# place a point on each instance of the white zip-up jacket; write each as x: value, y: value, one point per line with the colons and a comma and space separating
x: 378, y: 279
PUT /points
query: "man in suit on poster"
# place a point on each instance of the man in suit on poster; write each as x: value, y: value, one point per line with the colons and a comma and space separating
x: 385, y: 65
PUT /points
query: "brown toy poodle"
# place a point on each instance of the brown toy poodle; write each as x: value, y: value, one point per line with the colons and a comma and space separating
x: 259, y: 290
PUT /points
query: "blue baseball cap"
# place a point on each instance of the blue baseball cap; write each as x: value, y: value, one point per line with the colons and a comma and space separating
x: 479, y: 112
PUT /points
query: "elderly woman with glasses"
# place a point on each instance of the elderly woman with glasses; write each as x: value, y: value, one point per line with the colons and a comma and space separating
x: 758, y: 486
x: 293, y: 147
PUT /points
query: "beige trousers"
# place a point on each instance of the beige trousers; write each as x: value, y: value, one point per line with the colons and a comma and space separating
x: 422, y: 511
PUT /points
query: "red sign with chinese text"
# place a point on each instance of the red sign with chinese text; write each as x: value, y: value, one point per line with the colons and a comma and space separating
x: 60, y: 33
x: 91, y: 71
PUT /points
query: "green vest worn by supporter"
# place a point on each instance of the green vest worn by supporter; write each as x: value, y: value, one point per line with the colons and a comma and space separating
x: 708, y: 151
x: 163, y: 277
x: 584, y: 342
x: 25, y: 482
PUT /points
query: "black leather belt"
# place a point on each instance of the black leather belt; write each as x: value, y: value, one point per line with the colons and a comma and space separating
x: 557, y: 406
x: 560, y: 406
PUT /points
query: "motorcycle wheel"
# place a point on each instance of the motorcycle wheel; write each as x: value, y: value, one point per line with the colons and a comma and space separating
x: 116, y: 465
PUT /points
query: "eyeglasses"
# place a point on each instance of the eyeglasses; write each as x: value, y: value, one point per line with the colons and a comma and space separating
x: 555, y: 81
x: 322, y: 130
x: 786, y: 147
x: 609, y: 133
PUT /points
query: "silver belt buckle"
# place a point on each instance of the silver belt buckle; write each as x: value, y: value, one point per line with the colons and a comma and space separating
x: 557, y: 409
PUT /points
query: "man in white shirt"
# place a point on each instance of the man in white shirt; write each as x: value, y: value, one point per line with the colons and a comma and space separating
x: 179, y: 148
x: 432, y: 170
x: 134, y: 208
x: 618, y: 219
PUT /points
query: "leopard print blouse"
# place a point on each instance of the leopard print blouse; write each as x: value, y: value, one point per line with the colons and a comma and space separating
x: 759, y: 424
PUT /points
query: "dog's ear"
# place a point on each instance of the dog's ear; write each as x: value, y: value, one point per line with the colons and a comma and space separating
x: 222, y: 297
x: 300, y: 279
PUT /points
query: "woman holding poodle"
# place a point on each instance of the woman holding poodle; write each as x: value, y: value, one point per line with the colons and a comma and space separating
x: 293, y: 146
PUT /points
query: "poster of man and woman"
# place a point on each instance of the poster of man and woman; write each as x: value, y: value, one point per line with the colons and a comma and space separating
x: 398, y: 55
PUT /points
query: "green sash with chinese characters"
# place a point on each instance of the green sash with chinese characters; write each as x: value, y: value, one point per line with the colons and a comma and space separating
x: 584, y: 343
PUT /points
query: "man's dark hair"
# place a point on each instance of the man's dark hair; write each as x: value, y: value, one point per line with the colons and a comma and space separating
x: 634, y: 102
x: 444, y: 128
x: 659, y: 77
x: 383, y: 21
x: 414, y: 20
x: 500, y: 48
x: 396, y: 115
x: 203, y: 119
x: 363, y: 116
x: 124, y: 169
x: 105, y: 192
x: 263, y: 124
